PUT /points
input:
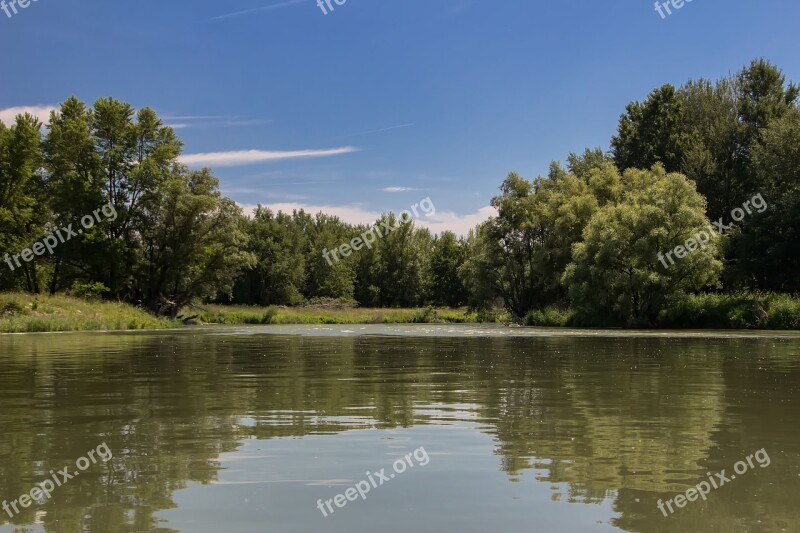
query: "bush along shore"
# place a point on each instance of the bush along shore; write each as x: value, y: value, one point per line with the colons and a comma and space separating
x: 25, y: 313
x: 741, y: 310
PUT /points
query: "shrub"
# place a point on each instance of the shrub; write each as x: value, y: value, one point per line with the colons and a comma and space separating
x: 425, y: 316
x: 12, y: 308
x: 270, y: 315
x: 741, y: 310
x: 549, y: 317
x: 87, y: 291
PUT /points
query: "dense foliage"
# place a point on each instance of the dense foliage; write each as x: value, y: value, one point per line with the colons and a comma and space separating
x: 588, y: 237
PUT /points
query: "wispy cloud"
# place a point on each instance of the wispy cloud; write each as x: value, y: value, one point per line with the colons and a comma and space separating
x: 381, y: 130
x: 206, y: 121
x: 249, y: 157
x: 274, y: 195
x: 396, y: 189
x: 195, y: 117
x: 42, y: 112
x: 257, y: 9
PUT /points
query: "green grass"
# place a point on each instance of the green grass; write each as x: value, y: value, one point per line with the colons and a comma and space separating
x: 239, y: 314
x: 26, y: 313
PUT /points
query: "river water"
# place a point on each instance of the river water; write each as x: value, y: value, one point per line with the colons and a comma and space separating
x: 443, y: 428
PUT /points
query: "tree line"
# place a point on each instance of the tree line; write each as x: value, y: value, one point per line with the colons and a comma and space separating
x: 587, y: 236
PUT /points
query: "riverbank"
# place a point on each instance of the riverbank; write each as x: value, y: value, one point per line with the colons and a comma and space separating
x: 25, y: 313
x: 242, y: 315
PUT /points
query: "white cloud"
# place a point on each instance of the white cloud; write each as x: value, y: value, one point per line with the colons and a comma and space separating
x: 42, y: 112
x: 358, y: 214
x: 458, y: 224
x: 249, y: 157
x: 354, y: 214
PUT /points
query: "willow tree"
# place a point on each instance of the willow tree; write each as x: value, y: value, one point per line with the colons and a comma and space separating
x: 616, y: 273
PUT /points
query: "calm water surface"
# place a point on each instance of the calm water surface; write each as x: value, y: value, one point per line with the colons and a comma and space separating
x: 245, y: 429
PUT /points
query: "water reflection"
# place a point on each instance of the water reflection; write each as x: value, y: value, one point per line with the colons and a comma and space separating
x: 243, y: 429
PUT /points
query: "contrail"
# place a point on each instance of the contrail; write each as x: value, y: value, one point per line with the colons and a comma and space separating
x: 265, y: 8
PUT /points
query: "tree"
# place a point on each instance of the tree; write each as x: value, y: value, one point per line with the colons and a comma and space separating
x: 22, y: 221
x: 713, y: 157
x: 650, y: 132
x: 766, y: 252
x: 481, y: 272
x: 446, y: 287
x: 278, y: 245
x: 582, y: 164
x: 616, y: 270
x: 193, y: 244
x: 529, y: 243
x: 324, y: 279
x: 109, y: 154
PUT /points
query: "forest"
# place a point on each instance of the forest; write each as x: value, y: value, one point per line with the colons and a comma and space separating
x: 579, y: 246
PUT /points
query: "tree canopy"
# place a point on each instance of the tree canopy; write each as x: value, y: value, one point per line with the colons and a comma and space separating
x: 590, y: 235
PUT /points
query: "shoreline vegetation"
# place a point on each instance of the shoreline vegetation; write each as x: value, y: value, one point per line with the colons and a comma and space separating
x: 26, y: 313
x: 691, y: 219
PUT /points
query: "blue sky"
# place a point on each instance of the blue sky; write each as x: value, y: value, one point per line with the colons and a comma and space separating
x: 381, y: 103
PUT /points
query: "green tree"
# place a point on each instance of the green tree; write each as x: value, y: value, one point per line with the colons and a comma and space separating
x: 446, y: 287
x: 617, y: 271
x: 766, y: 252
x: 193, y: 244
x: 650, y: 132
x: 529, y: 243
x: 109, y: 154
x: 278, y: 245
x: 713, y: 158
x: 329, y: 278
x: 481, y: 272
x: 22, y: 220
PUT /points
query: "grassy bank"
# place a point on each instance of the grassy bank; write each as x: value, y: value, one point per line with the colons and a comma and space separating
x: 233, y: 314
x: 26, y: 313
x: 21, y: 313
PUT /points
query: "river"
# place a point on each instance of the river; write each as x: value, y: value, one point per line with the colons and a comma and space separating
x: 442, y: 428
